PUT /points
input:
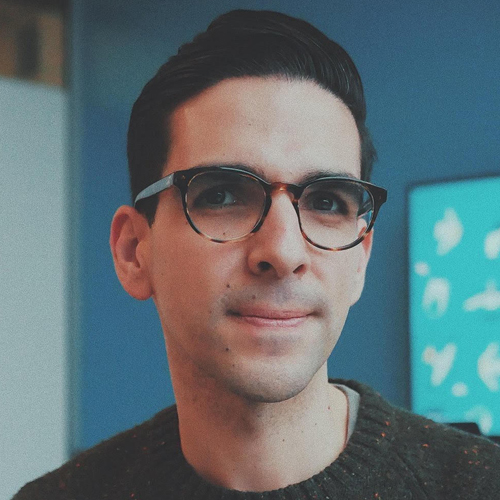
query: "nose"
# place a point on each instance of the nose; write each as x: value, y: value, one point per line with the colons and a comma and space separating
x: 278, y: 248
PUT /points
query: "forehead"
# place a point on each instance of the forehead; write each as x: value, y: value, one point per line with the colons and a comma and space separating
x: 282, y: 129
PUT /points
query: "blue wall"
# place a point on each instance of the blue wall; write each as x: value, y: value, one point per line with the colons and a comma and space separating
x: 431, y: 71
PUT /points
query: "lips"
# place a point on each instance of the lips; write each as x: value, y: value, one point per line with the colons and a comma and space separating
x: 267, y: 317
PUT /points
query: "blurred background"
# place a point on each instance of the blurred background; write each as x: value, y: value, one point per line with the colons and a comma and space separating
x: 79, y: 359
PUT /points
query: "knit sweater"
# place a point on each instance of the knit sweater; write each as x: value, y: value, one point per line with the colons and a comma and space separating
x: 391, y: 455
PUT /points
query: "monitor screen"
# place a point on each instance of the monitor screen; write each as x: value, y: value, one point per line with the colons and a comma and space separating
x: 454, y: 301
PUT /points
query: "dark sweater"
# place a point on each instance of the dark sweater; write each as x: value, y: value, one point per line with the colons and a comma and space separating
x: 392, y: 455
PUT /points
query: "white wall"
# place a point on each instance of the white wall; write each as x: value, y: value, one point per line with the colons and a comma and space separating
x: 33, y: 241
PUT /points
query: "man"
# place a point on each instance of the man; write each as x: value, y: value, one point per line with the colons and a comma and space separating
x: 251, y: 230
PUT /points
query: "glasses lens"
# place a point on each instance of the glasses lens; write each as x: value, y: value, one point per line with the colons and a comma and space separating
x: 225, y: 205
x: 335, y: 213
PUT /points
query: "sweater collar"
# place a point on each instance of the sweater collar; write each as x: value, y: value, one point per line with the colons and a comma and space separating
x: 365, y: 452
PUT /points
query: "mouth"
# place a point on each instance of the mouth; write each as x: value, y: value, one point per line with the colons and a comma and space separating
x: 264, y: 317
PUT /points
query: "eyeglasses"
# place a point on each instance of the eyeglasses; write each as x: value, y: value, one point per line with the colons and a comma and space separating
x: 226, y: 203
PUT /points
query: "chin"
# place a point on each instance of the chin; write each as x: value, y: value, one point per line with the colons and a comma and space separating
x: 273, y: 388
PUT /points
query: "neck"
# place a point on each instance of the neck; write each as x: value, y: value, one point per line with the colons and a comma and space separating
x: 253, y: 446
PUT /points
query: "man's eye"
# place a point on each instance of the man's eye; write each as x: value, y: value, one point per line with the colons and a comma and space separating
x: 216, y: 197
x: 327, y: 202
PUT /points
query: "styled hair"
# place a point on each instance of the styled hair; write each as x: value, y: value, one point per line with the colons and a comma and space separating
x: 240, y: 43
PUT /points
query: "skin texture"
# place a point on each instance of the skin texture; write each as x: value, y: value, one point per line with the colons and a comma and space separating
x: 249, y: 325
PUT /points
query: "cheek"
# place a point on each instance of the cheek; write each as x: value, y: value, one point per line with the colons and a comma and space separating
x: 189, y: 274
x: 339, y: 278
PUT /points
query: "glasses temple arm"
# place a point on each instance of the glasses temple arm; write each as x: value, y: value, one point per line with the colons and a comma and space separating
x: 155, y: 188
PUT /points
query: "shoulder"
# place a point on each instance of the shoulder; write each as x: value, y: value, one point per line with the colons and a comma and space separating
x: 457, y: 460
x: 440, y: 457
x: 448, y: 444
x: 111, y: 468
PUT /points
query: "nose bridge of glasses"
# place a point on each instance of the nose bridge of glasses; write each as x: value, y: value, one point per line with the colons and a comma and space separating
x: 289, y: 189
x: 278, y: 189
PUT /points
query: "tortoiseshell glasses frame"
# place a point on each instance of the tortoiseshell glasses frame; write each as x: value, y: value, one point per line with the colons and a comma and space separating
x: 365, y: 197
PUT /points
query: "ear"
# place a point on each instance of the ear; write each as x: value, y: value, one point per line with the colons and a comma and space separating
x: 364, y: 252
x: 129, y: 242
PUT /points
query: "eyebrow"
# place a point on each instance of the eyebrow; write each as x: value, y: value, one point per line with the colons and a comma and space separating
x: 309, y: 176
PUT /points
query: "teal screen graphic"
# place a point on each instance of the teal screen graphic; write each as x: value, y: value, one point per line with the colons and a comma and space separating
x: 454, y: 279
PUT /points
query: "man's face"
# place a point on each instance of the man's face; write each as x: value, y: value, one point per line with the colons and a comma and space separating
x: 257, y: 317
